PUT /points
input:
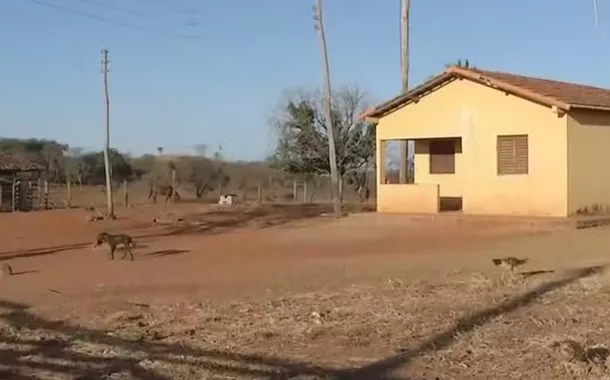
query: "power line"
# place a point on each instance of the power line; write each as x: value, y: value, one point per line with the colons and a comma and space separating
x: 133, y: 12
x: 106, y: 20
x: 111, y: 7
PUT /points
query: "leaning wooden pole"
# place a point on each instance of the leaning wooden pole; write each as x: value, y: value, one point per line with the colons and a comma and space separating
x: 332, y: 153
x: 109, y: 197
x: 404, y: 73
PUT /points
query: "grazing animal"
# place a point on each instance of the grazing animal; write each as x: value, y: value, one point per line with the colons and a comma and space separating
x: 509, y: 262
x: 114, y: 241
x: 165, y: 191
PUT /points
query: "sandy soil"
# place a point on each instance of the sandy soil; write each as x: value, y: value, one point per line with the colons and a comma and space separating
x: 287, y: 292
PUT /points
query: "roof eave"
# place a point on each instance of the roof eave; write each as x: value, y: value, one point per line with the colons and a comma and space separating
x: 590, y: 107
x: 399, y: 101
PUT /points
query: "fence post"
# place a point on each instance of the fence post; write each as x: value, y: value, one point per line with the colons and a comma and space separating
x: 125, y: 194
x: 14, y: 195
x: 46, y: 195
x: 260, y: 194
x: 39, y: 190
x: 174, y: 183
x: 69, y: 184
x: 305, y: 192
x: 294, y: 190
x: 270, y: 186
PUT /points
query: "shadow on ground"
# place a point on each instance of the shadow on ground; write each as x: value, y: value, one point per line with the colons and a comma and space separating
x: 40, y: 251
x: 263, y: 216
x: 53, y: 355
x: 213, y: 222
x: 166, y: 252
x: 19, y: 273
x: 533, y: 273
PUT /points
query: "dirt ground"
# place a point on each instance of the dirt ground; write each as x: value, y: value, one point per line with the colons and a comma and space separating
x: 288, y: 292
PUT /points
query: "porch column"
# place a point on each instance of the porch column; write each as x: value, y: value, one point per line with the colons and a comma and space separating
x: 380, y: 159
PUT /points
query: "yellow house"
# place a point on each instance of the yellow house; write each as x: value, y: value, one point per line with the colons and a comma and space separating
x: 499, y: 144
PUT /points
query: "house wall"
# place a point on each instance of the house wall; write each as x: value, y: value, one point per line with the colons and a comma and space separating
x: 588, y: 160
x: 477, y: 114
x: 417, y: 198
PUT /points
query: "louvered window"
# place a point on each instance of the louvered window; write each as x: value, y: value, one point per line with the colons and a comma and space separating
x: 513, y: 154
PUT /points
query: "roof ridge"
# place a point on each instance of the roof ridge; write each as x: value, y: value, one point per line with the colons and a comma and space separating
x: 544, y: 79
x: 552, y: 93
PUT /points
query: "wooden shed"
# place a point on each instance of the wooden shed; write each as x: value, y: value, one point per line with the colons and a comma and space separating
x: 19, y: 183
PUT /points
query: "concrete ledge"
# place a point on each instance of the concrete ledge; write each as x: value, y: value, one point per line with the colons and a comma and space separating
x: 408, y: 198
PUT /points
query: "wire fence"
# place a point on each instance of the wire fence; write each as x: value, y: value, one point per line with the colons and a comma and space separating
x: 46, y: 195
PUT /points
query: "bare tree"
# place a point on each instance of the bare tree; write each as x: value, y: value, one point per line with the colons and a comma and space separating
x: 404, y: 69
x: 202, y: 172
x: 334, y: 174
x: 302, y: 144
x: 72, y: 163
x: 201, y: 149
x: 53, y: 157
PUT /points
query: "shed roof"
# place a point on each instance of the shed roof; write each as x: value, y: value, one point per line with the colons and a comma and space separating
x: 9, y: 162
x: 563, y: 95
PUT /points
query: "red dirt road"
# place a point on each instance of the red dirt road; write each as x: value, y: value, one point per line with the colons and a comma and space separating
x: 224, y: 255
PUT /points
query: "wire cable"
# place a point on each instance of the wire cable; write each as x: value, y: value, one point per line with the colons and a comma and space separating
x: 107, y: 20
x: 113, y: 8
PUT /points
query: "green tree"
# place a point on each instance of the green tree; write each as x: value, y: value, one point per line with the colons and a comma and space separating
x: 302, y: 146
x: 120, y: 167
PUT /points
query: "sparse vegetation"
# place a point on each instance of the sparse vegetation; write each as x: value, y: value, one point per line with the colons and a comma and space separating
x: 201, y: 176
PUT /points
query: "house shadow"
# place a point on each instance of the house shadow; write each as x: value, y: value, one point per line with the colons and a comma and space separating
x: 53, y: 354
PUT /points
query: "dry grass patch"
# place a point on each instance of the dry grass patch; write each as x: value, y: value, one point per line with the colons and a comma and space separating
x: 466, y: 325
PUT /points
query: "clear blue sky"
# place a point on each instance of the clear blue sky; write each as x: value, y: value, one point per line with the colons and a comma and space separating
x: 175, y: 92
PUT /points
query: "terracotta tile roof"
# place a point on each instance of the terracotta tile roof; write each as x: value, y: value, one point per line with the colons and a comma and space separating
x: 562, y: 95
x: 9, y: 162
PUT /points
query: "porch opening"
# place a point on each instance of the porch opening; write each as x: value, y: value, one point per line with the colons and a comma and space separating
x: 433, y: 175
x: 393, y: 159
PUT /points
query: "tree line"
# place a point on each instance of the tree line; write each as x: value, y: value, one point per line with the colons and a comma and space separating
x: 301, y: 151
x: 63, y: 163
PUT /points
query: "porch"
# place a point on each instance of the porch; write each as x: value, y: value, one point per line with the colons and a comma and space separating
x: 430, y: 184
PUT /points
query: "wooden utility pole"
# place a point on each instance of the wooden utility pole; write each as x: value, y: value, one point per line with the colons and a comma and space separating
x: 404, y: 70
x: 595, y: 15
x: 332, y: 153
x: 109, y: 198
